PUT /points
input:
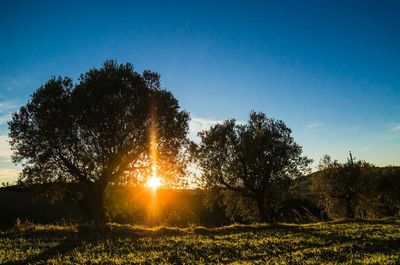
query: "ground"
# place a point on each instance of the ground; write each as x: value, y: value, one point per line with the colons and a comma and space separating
x: 367, y: 242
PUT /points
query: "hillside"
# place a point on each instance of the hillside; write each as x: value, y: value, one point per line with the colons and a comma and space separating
x: 372, y: 242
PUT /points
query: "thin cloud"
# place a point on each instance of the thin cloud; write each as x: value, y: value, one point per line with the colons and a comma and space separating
x: 8, y: 106
x: 197, y: 125
x: 5, y: 150
x: 6, y: 109
x: 9, y: 174
x: 396, y: 128
x: 314, y: 125
x: 16, y: 83
x: 5, y: 118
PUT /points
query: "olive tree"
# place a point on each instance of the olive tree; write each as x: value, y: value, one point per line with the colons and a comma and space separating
x: 338, y: 187
x: 92, y: 133
x: 256, y: 160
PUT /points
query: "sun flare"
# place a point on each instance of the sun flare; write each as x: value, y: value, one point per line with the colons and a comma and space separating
x: 153, y: 182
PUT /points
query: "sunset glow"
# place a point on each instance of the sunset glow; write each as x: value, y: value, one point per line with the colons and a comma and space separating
x: 153, y: 182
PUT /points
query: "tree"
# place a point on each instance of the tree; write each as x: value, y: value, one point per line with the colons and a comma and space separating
x: 338, y: 187
x: 256, y: 160
x: 111, y: 127
x: 382, y: 196
x: 388, y: 190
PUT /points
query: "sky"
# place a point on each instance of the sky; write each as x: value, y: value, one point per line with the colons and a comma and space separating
x: 329, y: 69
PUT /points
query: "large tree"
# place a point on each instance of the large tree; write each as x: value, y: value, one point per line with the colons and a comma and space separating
x: 109, y: 127
x: 255, y: 160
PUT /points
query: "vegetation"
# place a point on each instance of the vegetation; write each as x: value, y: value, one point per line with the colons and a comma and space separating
x: 119, y: 128
x: 372, y: 242
x: 339, y: 186
x: 92, y: 145
x: 383, y: 197
x: 254, y: 161
x: 99, y: 131
x: 356, y: 189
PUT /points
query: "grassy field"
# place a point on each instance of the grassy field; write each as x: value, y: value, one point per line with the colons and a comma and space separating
x: 372, y: 242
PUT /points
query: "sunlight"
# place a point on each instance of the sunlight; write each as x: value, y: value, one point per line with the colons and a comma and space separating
x: 154, y: 182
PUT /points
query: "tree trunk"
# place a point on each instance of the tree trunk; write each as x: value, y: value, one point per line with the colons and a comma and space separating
x: 96, y: 204
x: 349, y: 207
x: 262, y: 210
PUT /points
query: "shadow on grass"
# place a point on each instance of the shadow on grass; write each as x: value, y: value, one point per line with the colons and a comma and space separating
x: 328, y: 242
x: 65, y: 246
x: 346, y: 246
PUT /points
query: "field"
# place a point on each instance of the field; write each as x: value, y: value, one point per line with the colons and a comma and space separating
x: 367, y: 242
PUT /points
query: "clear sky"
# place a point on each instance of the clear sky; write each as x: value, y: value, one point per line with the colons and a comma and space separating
x: 329, y: 69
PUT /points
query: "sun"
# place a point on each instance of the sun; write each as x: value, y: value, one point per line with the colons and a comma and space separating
x: 153, y: 182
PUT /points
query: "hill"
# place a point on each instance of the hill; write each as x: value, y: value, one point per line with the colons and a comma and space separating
x: 368, y: 242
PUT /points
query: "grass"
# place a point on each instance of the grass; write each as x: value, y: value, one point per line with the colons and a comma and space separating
x: 367, y: 242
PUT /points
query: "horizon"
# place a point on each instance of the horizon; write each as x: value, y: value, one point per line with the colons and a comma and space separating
x: 330, y: 70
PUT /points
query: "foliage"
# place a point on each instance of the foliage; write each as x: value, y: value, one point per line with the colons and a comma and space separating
x: 381, y: 193
x: 372, y: 242
x: 95, y: 132
x: 132, y: 205
x: 173, y: 207
x: 255, y: 161
x: 339, y: 187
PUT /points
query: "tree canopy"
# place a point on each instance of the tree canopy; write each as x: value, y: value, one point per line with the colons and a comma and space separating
x: 355, y: 188
x: 113, y: 121
x: 255, y: 160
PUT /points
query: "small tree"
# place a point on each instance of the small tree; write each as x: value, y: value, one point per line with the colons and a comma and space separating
x: 338, y: 187
x: 96, y: 131
x: 256, y: 160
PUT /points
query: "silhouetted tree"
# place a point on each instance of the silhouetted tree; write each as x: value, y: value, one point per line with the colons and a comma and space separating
x: 382, y: 196
x: 338, y: 187
x: 256, y: 160
x: 96, y: 131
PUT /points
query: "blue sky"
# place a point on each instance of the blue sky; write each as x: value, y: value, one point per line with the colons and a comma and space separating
x: 329, y: 69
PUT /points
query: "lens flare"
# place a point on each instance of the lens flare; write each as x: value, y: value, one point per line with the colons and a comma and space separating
x: 154, y: 182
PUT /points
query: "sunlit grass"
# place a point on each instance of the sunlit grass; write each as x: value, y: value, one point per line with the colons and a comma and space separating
x: 374, y: 242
